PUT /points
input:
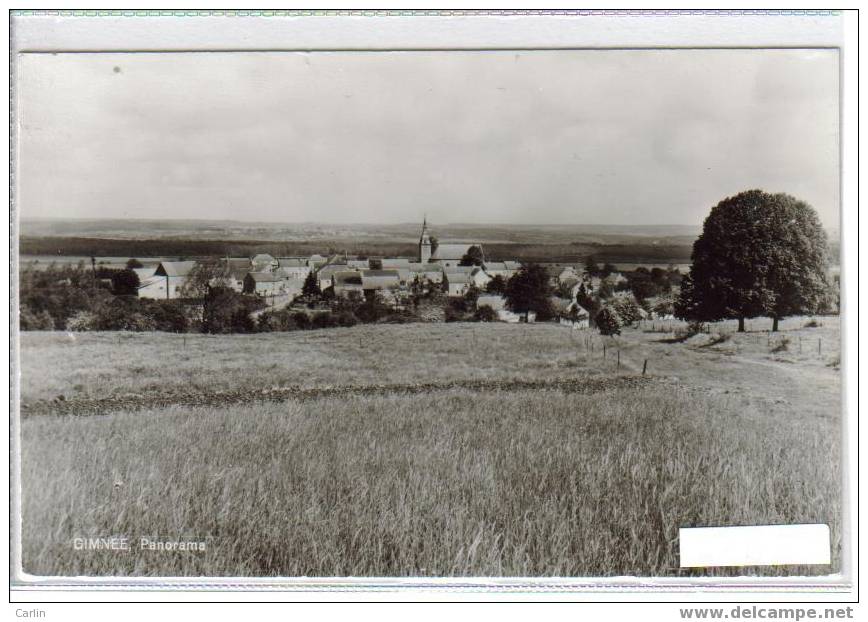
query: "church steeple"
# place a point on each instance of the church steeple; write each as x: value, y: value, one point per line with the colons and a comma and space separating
x: 424, y: 242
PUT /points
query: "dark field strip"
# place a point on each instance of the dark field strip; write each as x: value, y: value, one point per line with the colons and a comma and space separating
x: 134, y: 402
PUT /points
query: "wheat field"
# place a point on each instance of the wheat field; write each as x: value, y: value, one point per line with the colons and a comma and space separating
x: 449, y: 482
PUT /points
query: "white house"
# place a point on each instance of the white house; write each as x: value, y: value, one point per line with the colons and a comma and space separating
x: 457, y: 283
x: 168, y: 279
x: 571, y: 313
x: 325, y: 275
x: 293, y: 267
x: 431, y: 271
x: 348, y: 284
x: 264, y: 284
x: 234, y: 271
x: 263, y: 262
x: 503, y: 269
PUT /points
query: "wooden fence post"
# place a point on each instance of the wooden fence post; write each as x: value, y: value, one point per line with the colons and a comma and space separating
x: 644, y: 366
x: 619, y: 359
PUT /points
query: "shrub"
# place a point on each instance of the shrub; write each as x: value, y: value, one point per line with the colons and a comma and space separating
x: 627, y: 309
x: 169, y: 316
x: 346, y: 318
x: 241, y: 322
x: 323, y: 319
x: 301, y: 320
x: 782, y: 346
x: 608, y: 322
x: 453, y: 314
x: 281, y: 320
x: 812, y: 324
x: 485, y: 314
x: 30, y: 320
x: 82, y: 321
x: 125, y: 283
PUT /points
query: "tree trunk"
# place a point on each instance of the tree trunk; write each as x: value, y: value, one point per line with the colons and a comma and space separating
x: 741, y: 324
x: 774, y: 324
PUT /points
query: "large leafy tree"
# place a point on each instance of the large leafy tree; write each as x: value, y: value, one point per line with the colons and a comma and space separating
x: 205, y: 275
x: 125, y: 283
x: 497, y: 285
x: 759, y: 254
x: 529, y: 290
x: 473, y: 257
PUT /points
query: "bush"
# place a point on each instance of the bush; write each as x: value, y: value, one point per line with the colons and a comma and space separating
x: 30, y: 320
x: 241, y: 322
x: 169, y: 316
x: 608, y: 322
x: 485, y: 314
x: 301, y: 320
x: 346, y: 318
x: 226, y: 311
x: 82, y: 321
x: 276, y: 321
x: 324, y: 319
x: 453, y: 314
x: 125, y: 283
x: 627, y: 309
x: 782, y: 346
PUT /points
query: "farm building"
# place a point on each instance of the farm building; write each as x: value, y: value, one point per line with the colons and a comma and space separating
x: 293, y: 267
x: 399, y: 264
x: 348, y: 283
x: 431, y: 271
x: 380, y: 279
x: 569, y: 276
x: 358, y: 264
x: 263, y: 262
x: 475, y: 275
x: 168, y: 278
x: 395, y: 263
x: 315, y: 262
x: 145, y: 273
x: 503, y: 269
x: 153, y: 287
x: 571, y: 313
x: 264, y: 283
x: 325, y: 275
x: 457, y: 283
x: 235, y: 269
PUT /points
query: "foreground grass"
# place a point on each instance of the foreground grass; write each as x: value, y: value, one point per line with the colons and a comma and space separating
x: 443, y: 484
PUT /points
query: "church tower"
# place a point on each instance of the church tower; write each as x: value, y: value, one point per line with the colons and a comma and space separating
x: 424, y: 243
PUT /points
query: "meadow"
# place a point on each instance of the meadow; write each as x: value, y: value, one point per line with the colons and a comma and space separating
x: 507, y: 481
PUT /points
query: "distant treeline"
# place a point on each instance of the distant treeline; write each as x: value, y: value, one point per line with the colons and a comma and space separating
x: 577, y: 252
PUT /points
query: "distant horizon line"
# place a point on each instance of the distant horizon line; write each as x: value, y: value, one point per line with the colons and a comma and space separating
x: 320, y: 222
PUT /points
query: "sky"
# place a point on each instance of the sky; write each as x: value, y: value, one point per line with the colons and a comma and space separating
x: 527, y: 137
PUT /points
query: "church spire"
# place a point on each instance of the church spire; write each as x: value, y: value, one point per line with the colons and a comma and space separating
x: 424, y: 242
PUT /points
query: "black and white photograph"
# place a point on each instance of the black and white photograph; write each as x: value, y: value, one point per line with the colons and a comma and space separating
x: 358, y: 314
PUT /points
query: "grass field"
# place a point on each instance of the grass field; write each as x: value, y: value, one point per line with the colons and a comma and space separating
x: 449, y: 481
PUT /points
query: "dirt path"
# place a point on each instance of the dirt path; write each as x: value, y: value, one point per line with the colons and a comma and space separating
x: 135, y: 402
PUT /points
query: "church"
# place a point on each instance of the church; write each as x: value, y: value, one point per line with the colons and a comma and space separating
x: 446, y: 254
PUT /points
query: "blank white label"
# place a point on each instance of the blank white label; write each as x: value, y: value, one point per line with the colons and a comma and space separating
x: 766, y: 545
